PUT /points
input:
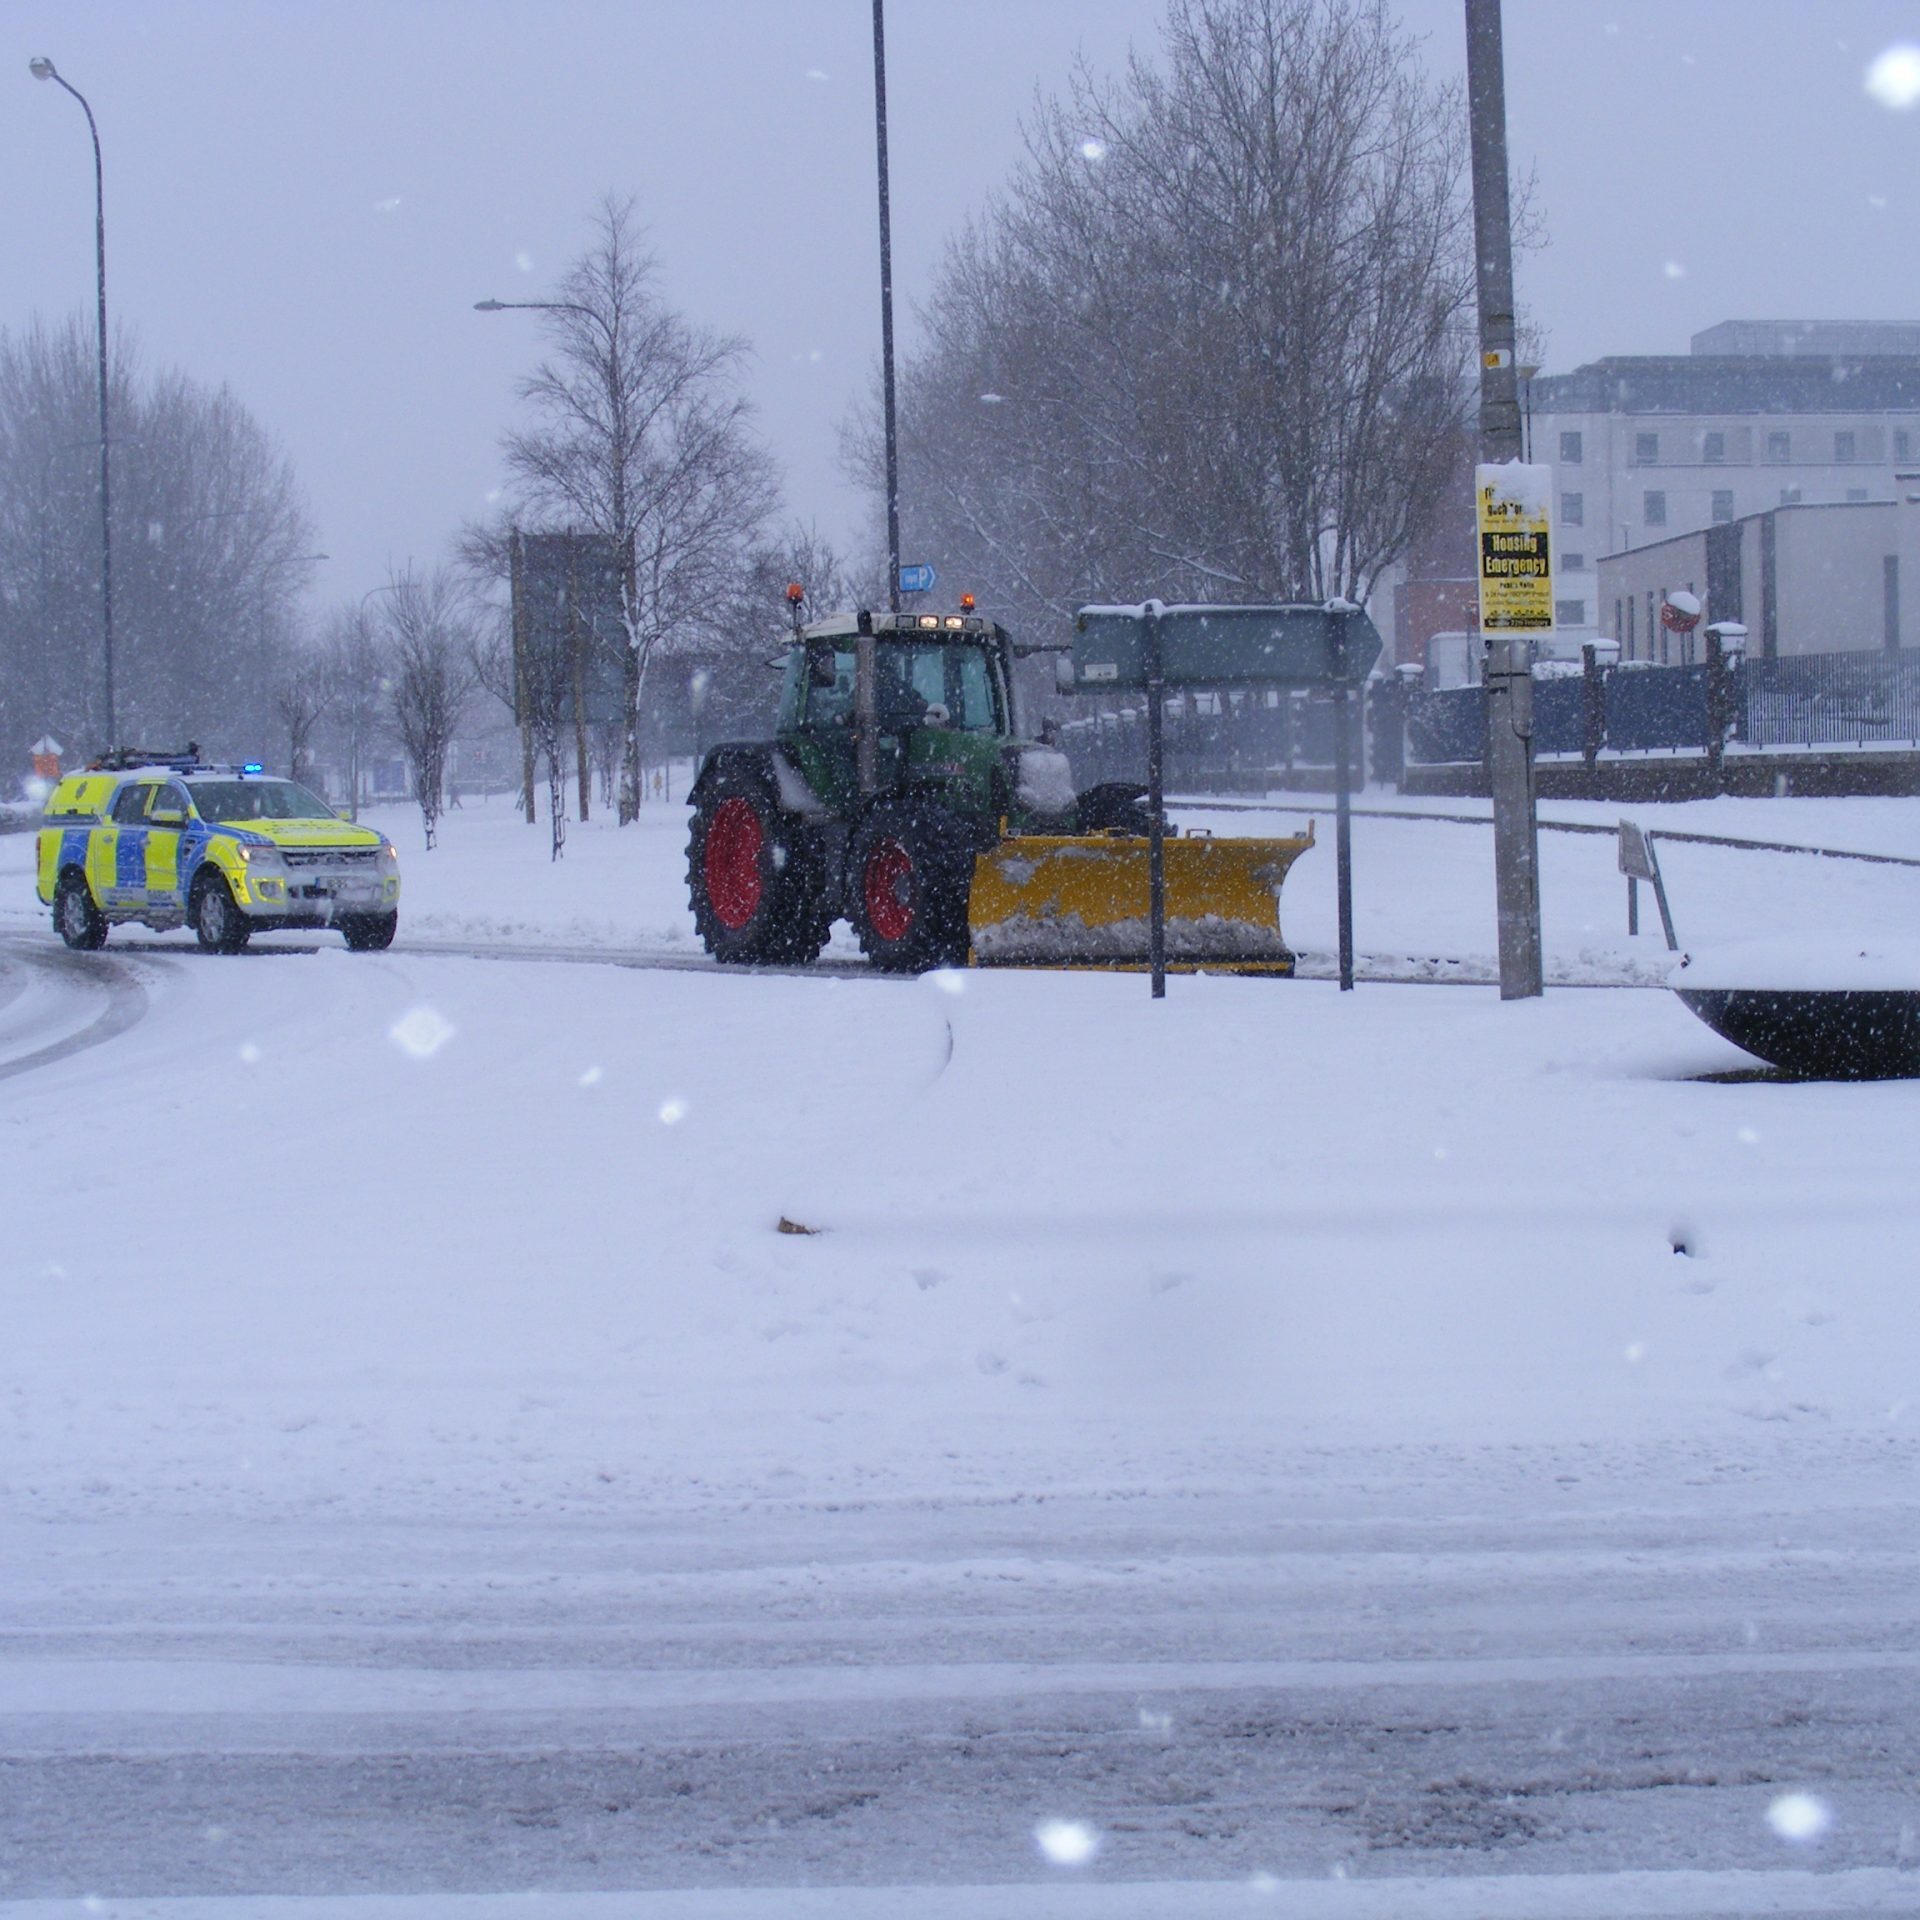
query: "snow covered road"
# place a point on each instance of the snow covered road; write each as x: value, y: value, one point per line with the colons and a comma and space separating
x: 1356, y: 1455
x: 1304, y: 1680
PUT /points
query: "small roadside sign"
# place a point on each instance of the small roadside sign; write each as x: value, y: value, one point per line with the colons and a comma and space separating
x: 1516, y: 547
x: 917, y: 579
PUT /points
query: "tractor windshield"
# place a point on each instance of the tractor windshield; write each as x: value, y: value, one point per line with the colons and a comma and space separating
x: 916, y: 682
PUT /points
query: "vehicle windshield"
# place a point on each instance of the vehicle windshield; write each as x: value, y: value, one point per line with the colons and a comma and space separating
x: 258, y: 800
x: 912, y: 677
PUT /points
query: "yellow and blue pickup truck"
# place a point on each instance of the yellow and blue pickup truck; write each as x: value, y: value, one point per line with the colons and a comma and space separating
x: 168, y: 841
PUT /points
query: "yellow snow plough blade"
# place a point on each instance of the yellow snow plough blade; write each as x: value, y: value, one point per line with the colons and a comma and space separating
x: 1081, y: 900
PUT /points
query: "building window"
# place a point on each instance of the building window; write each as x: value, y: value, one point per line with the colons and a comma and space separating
x: 1722, y: 505
x: 1902, y: 444
x: 1843, y: 446
x: 1713, y: 449
x: 1646, y: 449
x: 1779, y: 446
x: 1573, y: 508
x: 1856, y: 495
x: 1570, y: 450
x: 1569, y: 613
x: 1789, y: 496
x: 1654, y: 509
x: 1575, y: 563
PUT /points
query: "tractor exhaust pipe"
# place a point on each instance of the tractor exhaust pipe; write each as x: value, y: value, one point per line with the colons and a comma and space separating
x: 865, y: 706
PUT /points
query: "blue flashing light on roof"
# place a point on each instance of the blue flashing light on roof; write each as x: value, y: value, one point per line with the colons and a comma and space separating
x: 254, y: 766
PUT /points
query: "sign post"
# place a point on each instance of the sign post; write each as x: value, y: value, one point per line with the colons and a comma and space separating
x: 1516, y: 602
x: 1328, y: 648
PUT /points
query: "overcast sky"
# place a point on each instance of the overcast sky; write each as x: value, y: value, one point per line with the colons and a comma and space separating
x: 304, y: 201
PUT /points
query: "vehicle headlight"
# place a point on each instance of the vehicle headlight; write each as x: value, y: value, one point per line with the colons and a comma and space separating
x: 389, y: 855
x: 262, y: 859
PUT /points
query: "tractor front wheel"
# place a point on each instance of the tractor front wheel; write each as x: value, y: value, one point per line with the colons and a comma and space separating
x: 909, y: 872
x: 753, y: 876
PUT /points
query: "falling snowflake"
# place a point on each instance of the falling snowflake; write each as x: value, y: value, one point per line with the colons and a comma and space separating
x: 422, y: 1033
x: 1894, y: 78
x: 1674, y: 270
x: 1799, y: 1816
x: 672, y: 1112
x: 1067, y: 1843
x: 1093, y: 149
x: 523, y: 260
x: 947, y: 980
x: 249, y: 1053
x: 391, y: 204
x: 592, y: 1077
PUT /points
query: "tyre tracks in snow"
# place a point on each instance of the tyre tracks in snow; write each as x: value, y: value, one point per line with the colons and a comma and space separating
x: 55, y: 1003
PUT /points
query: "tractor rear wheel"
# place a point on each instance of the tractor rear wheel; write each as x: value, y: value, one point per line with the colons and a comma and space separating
x: 909, y: 871
x: 754, y: 875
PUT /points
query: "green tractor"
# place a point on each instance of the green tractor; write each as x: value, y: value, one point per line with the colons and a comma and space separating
x: 897, y: 794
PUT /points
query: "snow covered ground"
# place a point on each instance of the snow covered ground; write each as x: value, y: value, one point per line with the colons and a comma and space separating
x: 1269, y: 1451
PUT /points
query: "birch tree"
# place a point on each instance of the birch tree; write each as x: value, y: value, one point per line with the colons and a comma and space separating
x: 640, y: 431
x: 430, y: 676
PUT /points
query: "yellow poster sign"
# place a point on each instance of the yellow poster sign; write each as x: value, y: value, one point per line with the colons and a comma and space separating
x: 1516, y: 548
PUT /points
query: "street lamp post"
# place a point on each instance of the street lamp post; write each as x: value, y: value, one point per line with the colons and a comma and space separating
x: 43, y: 69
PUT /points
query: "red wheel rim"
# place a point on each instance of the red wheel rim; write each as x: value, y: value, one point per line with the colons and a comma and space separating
x: 887, y: 885
x: 730, y: 864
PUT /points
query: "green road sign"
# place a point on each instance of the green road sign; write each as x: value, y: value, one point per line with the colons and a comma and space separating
x: 1300, y: 646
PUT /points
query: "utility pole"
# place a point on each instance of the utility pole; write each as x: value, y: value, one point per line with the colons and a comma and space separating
x: 886, y: 306
x: 1509, y: 657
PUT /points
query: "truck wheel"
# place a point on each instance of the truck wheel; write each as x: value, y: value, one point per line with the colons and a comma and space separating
x: 77, y: 920
x: 369, y: 932
x: 218, y: 924
x: 908, y: 876
x: 754, y: 876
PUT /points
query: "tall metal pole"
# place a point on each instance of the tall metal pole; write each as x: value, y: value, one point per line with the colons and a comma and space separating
x: 886, y: 307
x: 1500, y: 428
x: 1509, y: 665
x: 43, y: 69
x: 1156, y: 678
x: 1343, y: 824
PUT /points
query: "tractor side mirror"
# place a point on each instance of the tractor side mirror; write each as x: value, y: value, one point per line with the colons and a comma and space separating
x: 820, y: 670
x: 1063, y: 680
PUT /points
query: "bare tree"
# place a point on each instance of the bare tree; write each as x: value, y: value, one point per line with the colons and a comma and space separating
x: 641, y: 433
x: 301, y: 696
x: 431, y: 677
x: 1214, y: 341
x: 211, y: 545
x: 353, y: 674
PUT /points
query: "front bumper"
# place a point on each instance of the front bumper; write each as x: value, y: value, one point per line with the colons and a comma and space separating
x: 313, y: 898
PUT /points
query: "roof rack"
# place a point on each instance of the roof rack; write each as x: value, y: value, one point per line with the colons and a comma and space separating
x: 125, y: 759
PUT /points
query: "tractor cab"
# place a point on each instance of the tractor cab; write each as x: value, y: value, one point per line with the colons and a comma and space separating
x: 929, y: 670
